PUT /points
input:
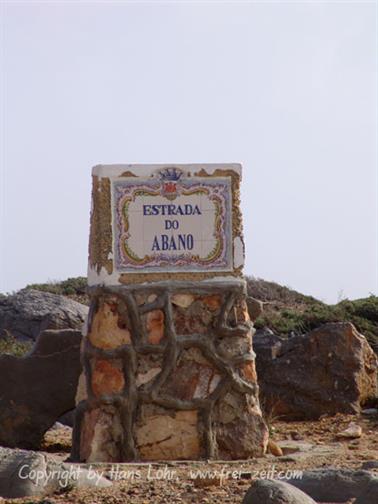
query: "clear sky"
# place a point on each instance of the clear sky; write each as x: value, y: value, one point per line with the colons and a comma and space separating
x: 286, y: 88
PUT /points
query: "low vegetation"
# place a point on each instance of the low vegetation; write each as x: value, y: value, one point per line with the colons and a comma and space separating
x: 74, y: 288
x: 10, y: 345
x: 287, y: 311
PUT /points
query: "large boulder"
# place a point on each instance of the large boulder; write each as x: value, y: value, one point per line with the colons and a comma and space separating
x: 28, y: 312
x: 369, y: 495
x: 275, y: 492
x: 37, y: 389
x: 28, y: 473
x: 255, y: 308
x: 336, y: 485
x: 328, y: 370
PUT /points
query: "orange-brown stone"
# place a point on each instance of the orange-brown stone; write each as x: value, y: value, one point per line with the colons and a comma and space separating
x: 87, y: 432
x: 193, y: 378
x: 248, y: 372
x: 105, y: 331
x: 183, y: 300
x: 81, y: 391
x: 169, y: 437
x: 207, y: 381
x: 107, y: 377
x: 101, y: 435
x: 241, y: 312
x: 155, y: 326
x: 212, y: 302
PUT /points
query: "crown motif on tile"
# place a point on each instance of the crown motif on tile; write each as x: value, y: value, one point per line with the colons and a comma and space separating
x: 170, y: 174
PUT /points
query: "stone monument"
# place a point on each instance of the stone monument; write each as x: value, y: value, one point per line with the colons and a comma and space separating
x: 169, y: 370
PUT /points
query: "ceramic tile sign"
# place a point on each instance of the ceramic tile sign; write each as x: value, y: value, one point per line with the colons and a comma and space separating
x: 172, y: 222
x: 174, y: 218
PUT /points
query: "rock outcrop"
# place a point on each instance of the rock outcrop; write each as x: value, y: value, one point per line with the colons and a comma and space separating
x: 28, y: 312
x: 337, y: 485
x: 369, y: 495
x: 328, y: 370
x: 275, y: 492
x: 255, y: 308
x: 28, y: 473
x: 37, y: 389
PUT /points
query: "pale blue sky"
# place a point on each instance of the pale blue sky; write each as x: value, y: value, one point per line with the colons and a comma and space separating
x: 287, y: 89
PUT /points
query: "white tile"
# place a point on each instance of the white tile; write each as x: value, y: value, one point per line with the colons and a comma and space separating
x: 207, y: 203
x: 207, y: 247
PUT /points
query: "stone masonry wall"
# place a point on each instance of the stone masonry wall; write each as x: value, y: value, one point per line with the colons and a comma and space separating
x: 169, y: 374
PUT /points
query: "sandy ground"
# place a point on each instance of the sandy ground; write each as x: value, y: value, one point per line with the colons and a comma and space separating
x: 315, y: 446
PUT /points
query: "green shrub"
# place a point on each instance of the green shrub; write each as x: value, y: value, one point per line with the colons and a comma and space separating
x: 287, y: 311
x: 74, y: 288
x: 10, y: 345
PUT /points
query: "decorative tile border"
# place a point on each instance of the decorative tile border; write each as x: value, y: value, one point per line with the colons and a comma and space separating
x: 178, y: 198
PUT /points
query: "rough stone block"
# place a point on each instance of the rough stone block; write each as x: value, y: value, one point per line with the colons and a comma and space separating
x: 106, y: 331
x: 168, y: 436
x: 37, y: 389
x: 107, y: 377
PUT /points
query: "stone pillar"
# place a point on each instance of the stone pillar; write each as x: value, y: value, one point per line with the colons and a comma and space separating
x: 167, y: 352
